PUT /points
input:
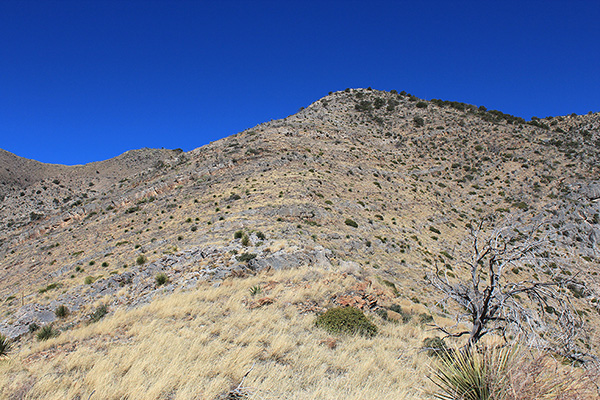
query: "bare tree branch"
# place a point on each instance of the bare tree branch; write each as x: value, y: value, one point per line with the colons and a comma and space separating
x: 493, y: 297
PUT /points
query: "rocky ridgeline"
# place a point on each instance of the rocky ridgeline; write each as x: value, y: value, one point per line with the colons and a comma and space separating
x: 138, y: 285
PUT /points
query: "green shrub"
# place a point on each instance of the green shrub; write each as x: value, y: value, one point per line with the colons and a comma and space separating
x: 33, y: 327
x: 421, y: 104
x: 61, y: 311
x: 406, y: 317
x: 435, y: 347
x: 246, y: 257
x: 49, y: 287
x: 161, y: 279
x: 419, y: 122
x: 47, y: 332
x: 391, y: 285
x: 238, y: 234
x: 363, y: 106
x: 141, y: 260
x: 346, y: 320
x: 89, y: 280
x: 5, y: 346
x: 245, y: 240
x: 425, y: 318
x: 260, y: 235
x: 351, y: 223
x: 98, y: 313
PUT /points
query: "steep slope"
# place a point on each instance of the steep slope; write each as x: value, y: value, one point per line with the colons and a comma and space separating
x: 379, y: 185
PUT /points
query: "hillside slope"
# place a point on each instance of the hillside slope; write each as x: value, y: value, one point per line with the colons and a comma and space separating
x: 379, y: 186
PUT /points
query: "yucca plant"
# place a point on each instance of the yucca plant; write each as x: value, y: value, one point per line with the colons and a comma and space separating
x: 5, y: 346
x: 471, y: 374
x: 254, y: 290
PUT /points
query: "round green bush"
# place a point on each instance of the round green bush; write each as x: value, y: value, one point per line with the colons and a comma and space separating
x: 347, y: 320
x: 161, y: 279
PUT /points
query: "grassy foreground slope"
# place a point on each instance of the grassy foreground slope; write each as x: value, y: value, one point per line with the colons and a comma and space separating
x: 198, y: 344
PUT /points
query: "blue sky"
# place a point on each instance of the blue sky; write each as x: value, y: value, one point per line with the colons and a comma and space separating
x: 84, y: 81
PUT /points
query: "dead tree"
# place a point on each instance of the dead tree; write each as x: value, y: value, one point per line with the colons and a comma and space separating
x: 497, y: 283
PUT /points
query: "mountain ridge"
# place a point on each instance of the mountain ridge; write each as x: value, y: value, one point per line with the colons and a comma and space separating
x: 379, y: 186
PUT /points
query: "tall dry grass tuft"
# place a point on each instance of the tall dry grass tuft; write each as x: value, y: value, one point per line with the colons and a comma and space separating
x: 541, y: 377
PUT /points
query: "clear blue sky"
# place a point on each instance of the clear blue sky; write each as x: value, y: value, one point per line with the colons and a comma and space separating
x: 83, y: 81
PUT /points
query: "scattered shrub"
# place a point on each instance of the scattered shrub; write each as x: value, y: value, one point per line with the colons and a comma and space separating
x: 346, y: 320
x: 406, y: 317
x: 419, y: 122
x: 49, y: 287
x: 61, y: 311
x: 141, y: 260
x: 246, y: 257
x: 98, y: 313
x: 47, y: 332
x: 351, y: 223
x: 435, y: 347
x: 391, y: 285
x: 33, y: 327
x: 425, y: 318
x: 238, y: 234
x: 161, y: 279
x: 245, y: 240
x: 260, y: 235
x: 89, y: 280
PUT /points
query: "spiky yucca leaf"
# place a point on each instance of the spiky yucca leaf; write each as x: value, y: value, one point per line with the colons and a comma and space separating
x: 5, y: 346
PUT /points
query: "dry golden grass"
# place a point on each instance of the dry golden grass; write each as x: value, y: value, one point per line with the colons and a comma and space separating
x: 197, y: 345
